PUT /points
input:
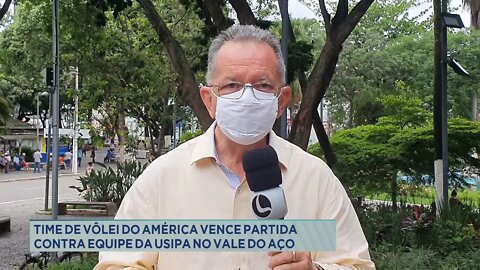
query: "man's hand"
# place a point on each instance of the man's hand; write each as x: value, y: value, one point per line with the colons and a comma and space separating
x: 290, y: 260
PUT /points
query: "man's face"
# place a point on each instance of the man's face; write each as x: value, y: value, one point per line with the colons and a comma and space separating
x: 245, y: 62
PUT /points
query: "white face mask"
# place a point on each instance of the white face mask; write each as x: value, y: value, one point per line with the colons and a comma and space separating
x: 248, y: 119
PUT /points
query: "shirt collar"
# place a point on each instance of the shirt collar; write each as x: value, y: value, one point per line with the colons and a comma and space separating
x: 205, y: 146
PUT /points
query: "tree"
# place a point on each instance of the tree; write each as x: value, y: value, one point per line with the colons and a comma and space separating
x: 474, y: 6
x: 370, y: 156
x: 4, y: 8
x: 337, y: 29
x: 366, y: 68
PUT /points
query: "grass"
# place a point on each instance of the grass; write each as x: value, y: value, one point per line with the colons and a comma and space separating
x: 426, y: 195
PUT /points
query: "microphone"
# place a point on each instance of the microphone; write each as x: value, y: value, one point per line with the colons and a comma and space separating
x: 264, y: 179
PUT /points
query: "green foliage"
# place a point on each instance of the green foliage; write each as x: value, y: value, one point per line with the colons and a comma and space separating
x: 189, y: 135
x: 450, y: 235
x: 403, y: 230
x: 420, y: 258
x: 370, y: 156
x: 88, y: 263
x: 109, y: 185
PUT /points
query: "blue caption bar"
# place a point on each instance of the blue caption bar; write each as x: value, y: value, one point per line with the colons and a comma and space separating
x: 182, y: 235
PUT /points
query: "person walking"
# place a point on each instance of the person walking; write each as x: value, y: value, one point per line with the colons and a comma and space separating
x: 67, y: 157
x: 79, y: 157
x: 37, y: 157
x: 16, y: 162
x: 93, y: 154
x: 8, y: 158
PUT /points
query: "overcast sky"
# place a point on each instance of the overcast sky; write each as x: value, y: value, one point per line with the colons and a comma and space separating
x: 298, y: 10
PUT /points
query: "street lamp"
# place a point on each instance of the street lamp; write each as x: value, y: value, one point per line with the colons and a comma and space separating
x: 452, y: 20
x: 440, y: 113
x: 43, y: 94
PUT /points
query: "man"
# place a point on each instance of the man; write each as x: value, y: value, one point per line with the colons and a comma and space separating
x: 37, y: 157
x: 16, y: 162
x: 204, y: 178
x: 79, y: 157
x: 68, y: 158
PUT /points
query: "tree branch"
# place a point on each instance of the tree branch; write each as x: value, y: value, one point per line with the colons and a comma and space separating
x: 326, y: 16
x: 322, y: 137
x: 5, y: 8
x: 214, y: 8
x: 347, y: 25
x: 244, y: 12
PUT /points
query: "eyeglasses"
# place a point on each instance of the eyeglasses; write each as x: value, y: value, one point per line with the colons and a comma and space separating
x: 235, y: 90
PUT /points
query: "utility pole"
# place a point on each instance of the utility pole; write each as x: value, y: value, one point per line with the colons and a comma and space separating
x: 285, y: 40
x: 55, y: 104
x: 440, y: 107
x: 75, y: 127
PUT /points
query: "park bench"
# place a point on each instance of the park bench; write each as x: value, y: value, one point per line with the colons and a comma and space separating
x: 4, y: 224
x: 110, y: 207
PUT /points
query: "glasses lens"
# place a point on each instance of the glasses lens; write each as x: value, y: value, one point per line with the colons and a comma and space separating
x: 260, y: 95
x: 235, y: 90
x: 231, y: 90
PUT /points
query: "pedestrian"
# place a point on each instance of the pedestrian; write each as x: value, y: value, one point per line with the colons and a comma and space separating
x: 204, y: 179
x: 84, y: 150
x: 68, y: 159
x: 90, y: 168
x: 79, y: 157
x: 3, y: 162
x: 8, y: 158
x: 16, y: 163
x: 37, y: 157
x: 93, y: 154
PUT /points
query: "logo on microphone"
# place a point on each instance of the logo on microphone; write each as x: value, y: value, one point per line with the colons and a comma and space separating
x: 261, y: 206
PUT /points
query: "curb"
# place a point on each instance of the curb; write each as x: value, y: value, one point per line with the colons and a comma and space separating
x: 37, y: 177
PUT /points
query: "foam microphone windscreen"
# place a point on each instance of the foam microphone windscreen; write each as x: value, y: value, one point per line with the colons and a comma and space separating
x: 262, y: 169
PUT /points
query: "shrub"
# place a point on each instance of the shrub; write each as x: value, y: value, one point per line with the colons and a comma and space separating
x: 109, y: 185
x: 87, y: 264
x: 419, y: 258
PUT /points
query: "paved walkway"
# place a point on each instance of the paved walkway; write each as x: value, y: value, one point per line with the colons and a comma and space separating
x: 15, y: 244
x: 29, y: 175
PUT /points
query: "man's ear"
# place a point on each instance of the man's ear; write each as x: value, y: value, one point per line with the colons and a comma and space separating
x: 209, y: 100
x: 284, y: 99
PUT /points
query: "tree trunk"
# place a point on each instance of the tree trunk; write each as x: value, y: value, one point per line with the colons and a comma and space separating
x: 244, y: 12
x: 188, y: 89
x: 394, y: 190
x: 474, y: 105
x: 161, y: 140
x: 5, y: 8
x: 214, y: 8
x: 350, y: 113
x: 122, y: 132
x: 317, y: 85
x: 322, y: 136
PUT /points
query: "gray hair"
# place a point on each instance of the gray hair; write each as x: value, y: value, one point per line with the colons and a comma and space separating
x: 244, y: 33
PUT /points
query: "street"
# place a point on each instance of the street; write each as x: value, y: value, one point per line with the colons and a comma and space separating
x: 21, y: 196
x: 23, y: 190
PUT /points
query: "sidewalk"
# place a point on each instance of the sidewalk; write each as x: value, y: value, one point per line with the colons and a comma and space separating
x: 30, y: 175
